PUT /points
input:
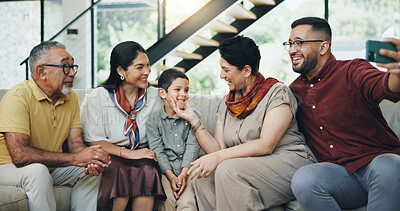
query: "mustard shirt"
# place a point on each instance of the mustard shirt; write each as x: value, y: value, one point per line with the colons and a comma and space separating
x: 26, y: 109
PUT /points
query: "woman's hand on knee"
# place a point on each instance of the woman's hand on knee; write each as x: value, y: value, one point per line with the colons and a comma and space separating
x: 204, y: 166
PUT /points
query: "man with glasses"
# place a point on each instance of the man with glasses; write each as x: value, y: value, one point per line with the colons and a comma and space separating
x: 36, y: 117
x: 340, y: 117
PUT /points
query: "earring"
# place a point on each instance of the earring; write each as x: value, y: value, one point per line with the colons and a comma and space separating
x: 122, y: 78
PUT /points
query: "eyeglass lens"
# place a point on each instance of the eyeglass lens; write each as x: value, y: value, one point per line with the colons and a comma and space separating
x: 67, y: 69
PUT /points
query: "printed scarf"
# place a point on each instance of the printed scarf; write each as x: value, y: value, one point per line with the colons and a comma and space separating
x: 121, y: 102
x: 247, y: 103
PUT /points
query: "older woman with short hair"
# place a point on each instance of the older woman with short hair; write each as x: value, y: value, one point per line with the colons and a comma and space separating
x: 256, y: 146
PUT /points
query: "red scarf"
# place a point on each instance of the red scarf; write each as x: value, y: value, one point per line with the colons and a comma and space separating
x: 122, y: 103
x: 247, y: 103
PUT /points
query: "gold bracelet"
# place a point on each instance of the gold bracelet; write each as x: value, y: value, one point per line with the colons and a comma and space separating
x: 197, y: 126
x: 120, y: 151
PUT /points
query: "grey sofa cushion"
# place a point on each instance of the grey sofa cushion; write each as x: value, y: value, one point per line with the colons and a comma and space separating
x: 13, y: 198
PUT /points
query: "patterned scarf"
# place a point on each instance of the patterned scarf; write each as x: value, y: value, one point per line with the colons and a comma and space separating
x: 247, y: 103
x: 121, y: 102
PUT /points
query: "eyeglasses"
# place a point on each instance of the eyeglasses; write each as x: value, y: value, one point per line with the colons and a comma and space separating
x: 66, y: 67
x: 298, y: 43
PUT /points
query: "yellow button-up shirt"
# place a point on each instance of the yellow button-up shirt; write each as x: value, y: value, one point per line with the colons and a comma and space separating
x: 26, y: 109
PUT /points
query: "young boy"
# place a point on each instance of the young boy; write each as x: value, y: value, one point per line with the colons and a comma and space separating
x: 173, y: 141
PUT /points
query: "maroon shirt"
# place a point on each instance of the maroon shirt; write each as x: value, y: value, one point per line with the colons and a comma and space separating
x: 339, y: 113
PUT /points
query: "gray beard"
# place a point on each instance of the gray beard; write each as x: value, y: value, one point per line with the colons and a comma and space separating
x: 66, y: 90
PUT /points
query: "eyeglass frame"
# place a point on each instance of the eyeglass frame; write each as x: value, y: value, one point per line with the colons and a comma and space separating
x: 299, y: 43
x: 64, y: 66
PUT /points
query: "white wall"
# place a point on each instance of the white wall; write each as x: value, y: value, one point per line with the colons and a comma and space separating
x: 79, y: 46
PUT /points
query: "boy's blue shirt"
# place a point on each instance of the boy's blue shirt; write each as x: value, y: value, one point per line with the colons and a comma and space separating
x: 172, y: 140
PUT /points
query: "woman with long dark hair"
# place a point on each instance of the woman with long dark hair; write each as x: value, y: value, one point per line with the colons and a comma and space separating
x: 114, y: 116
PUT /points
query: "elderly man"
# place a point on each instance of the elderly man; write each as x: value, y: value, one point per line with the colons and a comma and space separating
x: 36, y: 117
x: 340, y: 117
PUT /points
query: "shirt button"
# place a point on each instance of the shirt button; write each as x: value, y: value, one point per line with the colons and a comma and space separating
x: 331, y: 146
x: 313, y: 107
x: 178, y: 145
x: 311, y: 85
x: 176, y: 134
x: 321, y: 127
x: 180, y: 156
x: 174, y: 123
x: 186, y: 123
x: 319, y: 79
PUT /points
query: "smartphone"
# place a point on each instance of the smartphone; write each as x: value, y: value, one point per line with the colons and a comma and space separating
x: 372, y: 51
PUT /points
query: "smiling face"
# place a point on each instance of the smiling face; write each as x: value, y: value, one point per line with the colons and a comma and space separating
x: 305, y: 60
x: 137, y: 73
x: 178, y: 90
x: 54, y: 77
x: 233, y: 76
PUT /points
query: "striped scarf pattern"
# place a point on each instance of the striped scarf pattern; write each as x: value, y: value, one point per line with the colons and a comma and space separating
x: 122, y: 103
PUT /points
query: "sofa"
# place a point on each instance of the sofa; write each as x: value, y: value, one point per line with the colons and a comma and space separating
x: 14, y: 198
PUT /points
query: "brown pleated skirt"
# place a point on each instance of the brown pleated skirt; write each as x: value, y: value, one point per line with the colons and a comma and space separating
x: 130, y: 178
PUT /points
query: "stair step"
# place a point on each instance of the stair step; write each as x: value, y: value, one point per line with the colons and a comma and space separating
x: 239, y: 12
x: 153, y: 83
x: 202, y: 41
x: 164, y: 67
x: 263, y: 2
x: 221, y: 27
x: 186, y: 55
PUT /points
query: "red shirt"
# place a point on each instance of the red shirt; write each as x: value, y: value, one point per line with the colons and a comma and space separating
x: 339, y: 113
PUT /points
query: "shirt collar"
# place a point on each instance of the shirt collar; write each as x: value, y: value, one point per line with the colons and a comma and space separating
x: 40, y: 95
x: 164, y: 115
x: 322, y: 73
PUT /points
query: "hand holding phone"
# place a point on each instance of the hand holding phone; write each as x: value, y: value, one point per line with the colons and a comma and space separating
x: 372, y: 51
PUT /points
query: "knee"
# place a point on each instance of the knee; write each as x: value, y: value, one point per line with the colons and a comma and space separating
x: 38, y: 174
x: 38, y: 171
x: 385, y: 169
x: 303, y: 180
x: 226, y: 170
x: 386, y: 162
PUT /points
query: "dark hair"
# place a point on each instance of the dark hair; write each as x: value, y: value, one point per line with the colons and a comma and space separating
x: 317, y: 25
x: 169, y: 76
x: 240, y: 51
x: 122, y: 55
x: 38, y: 52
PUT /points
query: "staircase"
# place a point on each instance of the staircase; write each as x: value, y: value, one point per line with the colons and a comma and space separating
x: 207, y: 18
